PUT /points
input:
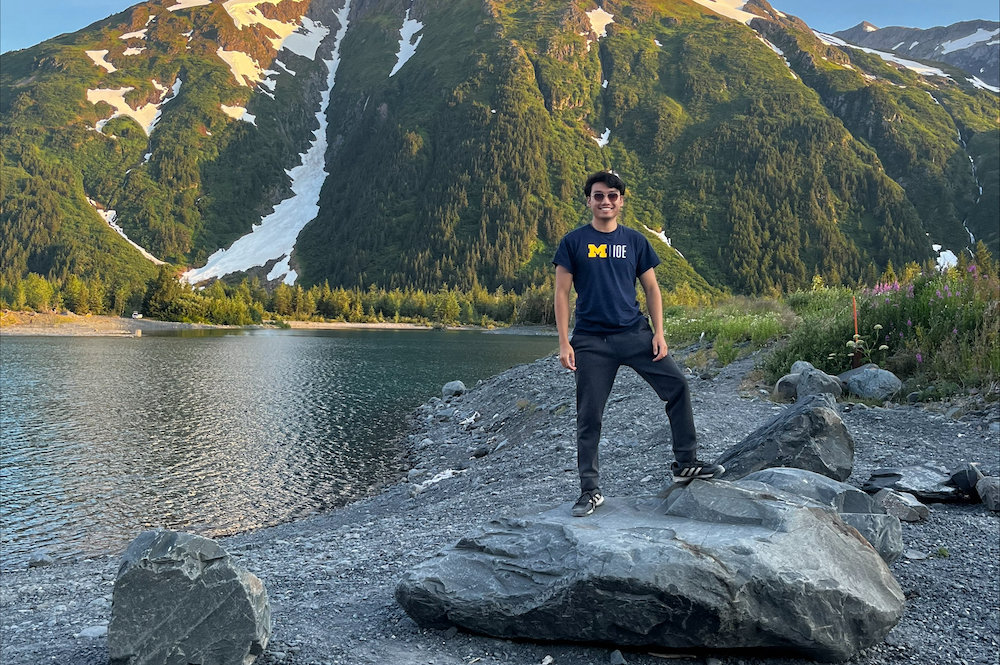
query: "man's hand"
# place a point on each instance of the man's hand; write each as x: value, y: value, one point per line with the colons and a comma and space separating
x: 659, y: 347
x: 567, y: 356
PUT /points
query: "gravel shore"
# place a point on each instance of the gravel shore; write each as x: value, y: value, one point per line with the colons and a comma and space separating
x: 507, y: 448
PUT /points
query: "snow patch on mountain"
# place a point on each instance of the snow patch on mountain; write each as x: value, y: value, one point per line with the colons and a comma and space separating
x: 138, y: 34
x: 780, y: 53
x: 239, y: 113
x: 978, y: 36
x: 917, y: 67
x: 945, y: 257
x: 246, y: 70
x: 98, y: 58
x: 729, y: 8
x: 188, y: 4
x: 407, y: 45
x: 133, y: 50
x: 109, y: 216
x: 146, y: 115
x: 663, y: 237
x: 245, y: 13
x: 975, y: 80
x: 285, y: 67
x: 302, y: 40
x: 273, y: 239
x: 305, y: 40
x: 599, y: 21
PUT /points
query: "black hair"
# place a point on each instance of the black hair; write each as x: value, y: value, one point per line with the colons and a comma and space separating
x: 609, y: 178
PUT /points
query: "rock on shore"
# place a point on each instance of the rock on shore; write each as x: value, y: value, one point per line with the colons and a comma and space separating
x: 331, y: 577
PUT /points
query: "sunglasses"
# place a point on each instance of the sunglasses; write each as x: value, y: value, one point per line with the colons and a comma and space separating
x: 599, y: 196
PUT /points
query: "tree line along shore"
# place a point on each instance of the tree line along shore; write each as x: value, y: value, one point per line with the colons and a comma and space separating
x: 937, y: 329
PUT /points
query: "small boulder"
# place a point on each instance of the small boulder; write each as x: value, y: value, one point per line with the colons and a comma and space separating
x: 903, y: 505
x: 814, y: 381
x: 800, y: 366
x: 965, y: 478
x: 40, y: 559
x: 453, y: 389
x: 927, y: 482
x: 846, y: 376
x: 988, y: 490
x: 180, y: 600
x: 874, y: 383
x: 786, y: 389
x: 807, y: 435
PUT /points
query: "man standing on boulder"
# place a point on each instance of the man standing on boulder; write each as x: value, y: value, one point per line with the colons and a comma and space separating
x: 602, y: 260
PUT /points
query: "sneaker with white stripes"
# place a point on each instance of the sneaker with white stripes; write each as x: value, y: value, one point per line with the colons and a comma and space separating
x: 684, y: 472
x: 587, y: 503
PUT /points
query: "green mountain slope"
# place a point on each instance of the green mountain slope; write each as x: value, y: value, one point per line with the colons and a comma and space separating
x: 196, y: 182
x: 763, y: 164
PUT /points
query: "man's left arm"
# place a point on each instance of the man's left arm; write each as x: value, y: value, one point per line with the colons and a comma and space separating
x: 654, y: 303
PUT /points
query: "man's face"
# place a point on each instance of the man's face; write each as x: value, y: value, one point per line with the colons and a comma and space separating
x: 601, y: 204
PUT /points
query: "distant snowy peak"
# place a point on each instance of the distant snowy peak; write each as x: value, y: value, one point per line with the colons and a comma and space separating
x: 972, y: 46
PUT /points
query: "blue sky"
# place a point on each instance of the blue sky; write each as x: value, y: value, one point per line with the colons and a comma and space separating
x: 25, y: 23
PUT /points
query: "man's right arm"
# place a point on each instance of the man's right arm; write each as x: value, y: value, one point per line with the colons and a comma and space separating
x: 564, y: 282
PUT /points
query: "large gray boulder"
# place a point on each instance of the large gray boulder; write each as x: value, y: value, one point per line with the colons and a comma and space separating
x: 856, y: 508
x: 180, y: 600
x: 807, y: 435
x: 715, y: 565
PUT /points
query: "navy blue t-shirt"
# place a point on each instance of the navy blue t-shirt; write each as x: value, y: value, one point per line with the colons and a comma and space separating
x: 605, y: 267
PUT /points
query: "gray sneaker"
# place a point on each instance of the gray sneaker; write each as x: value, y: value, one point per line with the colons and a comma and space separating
x: 587, y: 503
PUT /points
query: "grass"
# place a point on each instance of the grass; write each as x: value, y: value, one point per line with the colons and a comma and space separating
x: 734, y: 327
x: 938, y: 332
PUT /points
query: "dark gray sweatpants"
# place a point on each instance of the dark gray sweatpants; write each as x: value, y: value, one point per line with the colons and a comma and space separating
x: 597, y: 361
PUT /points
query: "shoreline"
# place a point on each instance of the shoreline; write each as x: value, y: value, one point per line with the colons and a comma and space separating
x: 68, y: 324
x: 331, y: 576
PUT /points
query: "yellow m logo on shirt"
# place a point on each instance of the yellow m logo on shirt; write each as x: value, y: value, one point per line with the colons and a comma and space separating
x: 597, y: 251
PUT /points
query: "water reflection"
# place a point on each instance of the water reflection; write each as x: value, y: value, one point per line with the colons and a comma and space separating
x: 104, y: 437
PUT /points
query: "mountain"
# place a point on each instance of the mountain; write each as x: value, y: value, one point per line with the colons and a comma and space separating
x: 443, y: 142
x: 972, y: 46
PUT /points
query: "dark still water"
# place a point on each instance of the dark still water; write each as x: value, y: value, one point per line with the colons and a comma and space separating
x: 104, y: 437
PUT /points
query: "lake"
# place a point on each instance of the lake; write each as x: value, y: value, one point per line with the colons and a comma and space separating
x: 212, y: 432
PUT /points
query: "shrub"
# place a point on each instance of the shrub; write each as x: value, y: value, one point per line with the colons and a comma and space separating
x: 941, y: 328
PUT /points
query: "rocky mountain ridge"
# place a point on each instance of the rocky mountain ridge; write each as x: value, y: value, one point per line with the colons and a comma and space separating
x: 972, y: 46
